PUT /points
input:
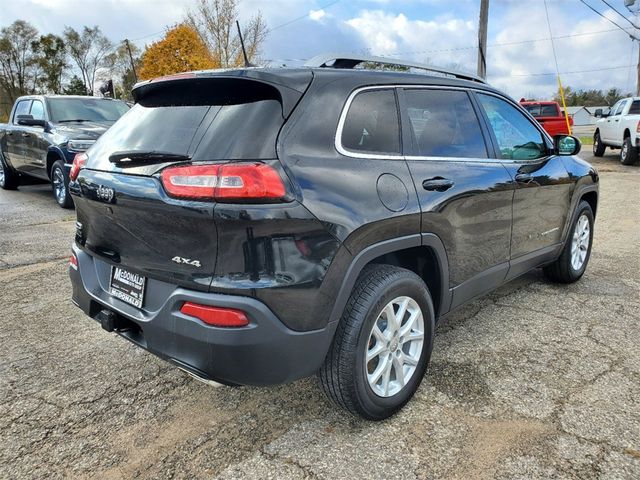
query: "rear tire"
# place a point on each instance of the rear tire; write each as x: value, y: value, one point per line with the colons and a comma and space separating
x: 628, y: 153
x: 9, y: 178
x: 598, y: 146
x: 60, y: 185
x: 572, y: 263
x: 397, y: 349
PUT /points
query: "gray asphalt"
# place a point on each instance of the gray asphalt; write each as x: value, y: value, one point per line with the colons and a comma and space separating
x: 533, y: 381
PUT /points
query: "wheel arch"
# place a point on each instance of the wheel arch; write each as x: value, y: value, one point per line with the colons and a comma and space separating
x: 424, y: 254
x: 591, y: 197
x: 53, y: 155
x: 627, y: 133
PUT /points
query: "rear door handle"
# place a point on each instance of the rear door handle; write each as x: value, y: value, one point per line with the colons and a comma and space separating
x: 437, y: 184
x: 523, y: 178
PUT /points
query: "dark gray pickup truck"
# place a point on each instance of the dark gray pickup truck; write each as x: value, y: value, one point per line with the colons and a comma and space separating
x: 45, y: 133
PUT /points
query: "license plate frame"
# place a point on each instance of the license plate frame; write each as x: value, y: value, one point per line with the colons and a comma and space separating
x: 127, y: 286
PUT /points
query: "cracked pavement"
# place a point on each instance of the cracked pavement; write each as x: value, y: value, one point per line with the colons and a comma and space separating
x: 535, y: 380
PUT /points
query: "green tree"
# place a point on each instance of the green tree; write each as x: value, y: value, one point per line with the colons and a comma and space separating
x: 75, y: 86
x: 52, y: 61
x: 89, y: 50
x: 121, y: 71
x: 18, y: 61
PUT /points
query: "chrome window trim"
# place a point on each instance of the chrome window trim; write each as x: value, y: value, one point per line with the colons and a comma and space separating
x: 381, y: 156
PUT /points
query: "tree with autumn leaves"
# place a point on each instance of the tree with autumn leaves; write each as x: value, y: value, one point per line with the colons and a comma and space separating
x: 207, y: 39
x: 181, y: 50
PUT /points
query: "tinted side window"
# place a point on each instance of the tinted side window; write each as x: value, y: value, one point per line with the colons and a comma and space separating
x: 517, y: 138
x: 21, y: 109
x: 37, y: 110
x: 372, y: 123
x: 635, y: 108
x: 443, y: 124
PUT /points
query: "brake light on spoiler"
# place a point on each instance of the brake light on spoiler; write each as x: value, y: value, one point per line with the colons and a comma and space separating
x: 227, y: 182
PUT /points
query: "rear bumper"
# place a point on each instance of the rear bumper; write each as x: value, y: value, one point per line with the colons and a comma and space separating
x: 265, y: 352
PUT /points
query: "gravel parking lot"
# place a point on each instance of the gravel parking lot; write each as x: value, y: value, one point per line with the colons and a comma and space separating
x: 533, y: 381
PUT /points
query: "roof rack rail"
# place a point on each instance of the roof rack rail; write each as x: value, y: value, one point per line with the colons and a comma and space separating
x: 350, y: 60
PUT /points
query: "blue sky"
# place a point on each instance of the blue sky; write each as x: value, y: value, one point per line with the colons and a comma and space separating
x: 441, y: 32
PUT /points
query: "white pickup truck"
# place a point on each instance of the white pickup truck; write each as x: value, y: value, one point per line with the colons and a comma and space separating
x: 619, y: 127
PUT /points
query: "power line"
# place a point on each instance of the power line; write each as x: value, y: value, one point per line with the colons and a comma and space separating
x: 568, y: 73
x: 302, y: 17
x: 504, y: 44
x: 608, y: 19
x: 623, y: 16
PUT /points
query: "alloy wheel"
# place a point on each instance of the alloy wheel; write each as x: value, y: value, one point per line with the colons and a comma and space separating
x: 625, y: 150
x: 59, y: 188
x: 2, y: 174
x: 580, y: 242
x: 395, y: 346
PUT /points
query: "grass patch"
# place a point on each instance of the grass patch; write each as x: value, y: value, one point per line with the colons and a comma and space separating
x: 586, y: 140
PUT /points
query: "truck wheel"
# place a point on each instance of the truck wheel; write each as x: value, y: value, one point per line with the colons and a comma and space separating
x: 382, y: 345
x: 628, y: 153
x: 572, y: 263
x: 598, y: 146
x: 9, y: 179
x: 60, y: 185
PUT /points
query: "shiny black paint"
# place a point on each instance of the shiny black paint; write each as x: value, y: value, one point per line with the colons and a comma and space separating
x: 300, y: 258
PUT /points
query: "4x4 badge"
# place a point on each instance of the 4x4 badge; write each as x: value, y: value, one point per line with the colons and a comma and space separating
x: 186, y: 261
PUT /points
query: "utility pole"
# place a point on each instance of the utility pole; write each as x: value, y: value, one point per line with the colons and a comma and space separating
x: 482, y: 38
x: 133, y: 67
x: 629, y: 4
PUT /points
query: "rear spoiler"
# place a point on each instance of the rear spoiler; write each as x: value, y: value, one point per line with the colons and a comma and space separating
x: 223, y: 88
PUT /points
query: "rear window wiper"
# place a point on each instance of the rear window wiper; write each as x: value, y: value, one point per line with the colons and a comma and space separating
x: 137, y: 157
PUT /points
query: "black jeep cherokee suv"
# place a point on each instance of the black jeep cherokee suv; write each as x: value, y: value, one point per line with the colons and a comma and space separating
x: 256, y: 226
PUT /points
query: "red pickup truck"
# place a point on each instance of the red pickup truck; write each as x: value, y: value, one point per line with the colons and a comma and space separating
x: 549, y: 115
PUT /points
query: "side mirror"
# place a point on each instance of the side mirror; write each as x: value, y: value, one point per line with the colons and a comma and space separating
x: 566, y: 145
x: 29, y: 121
x: 598, y: 113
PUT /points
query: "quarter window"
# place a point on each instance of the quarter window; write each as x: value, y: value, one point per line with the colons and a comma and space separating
x: 371, y: 124
x: 518, y: 138
x: 21, y: 109
x: 444, y: 124
x: 635, y: 108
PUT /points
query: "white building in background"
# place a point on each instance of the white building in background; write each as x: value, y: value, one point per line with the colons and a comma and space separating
x: 584, y: 115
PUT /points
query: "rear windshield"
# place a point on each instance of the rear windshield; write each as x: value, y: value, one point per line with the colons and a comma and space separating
x: 86, y: 109
x: 542, y: 110
x: 243, y: 131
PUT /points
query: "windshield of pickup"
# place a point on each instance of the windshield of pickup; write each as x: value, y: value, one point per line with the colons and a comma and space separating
x: 541, y: 110
x: 87, y: 109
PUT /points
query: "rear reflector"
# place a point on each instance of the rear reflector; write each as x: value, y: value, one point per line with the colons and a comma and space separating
x: 73, y: 261
x: 78, y: 162
x: 227, y: 182
x: 215, y: 316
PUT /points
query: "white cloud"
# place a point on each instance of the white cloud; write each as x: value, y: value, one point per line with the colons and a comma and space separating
x: 317, y: 14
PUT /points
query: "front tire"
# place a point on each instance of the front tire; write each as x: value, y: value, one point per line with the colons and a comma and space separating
x: 572, y: 263
x: 628, y: 153
x: 382, y: 345
x: 598, y: 146
x: 9, y: 178
x: 60, y: 185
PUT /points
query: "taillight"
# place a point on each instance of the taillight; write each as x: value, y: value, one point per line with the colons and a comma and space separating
x: 638, y: 127
x: 227, y: 182
x: 215, y: 316
x: 78, y: 162
x: 73, y: 261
